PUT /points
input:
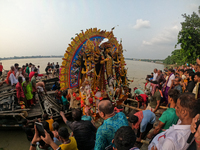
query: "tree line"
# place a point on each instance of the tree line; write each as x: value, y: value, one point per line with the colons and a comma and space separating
x: 189, y: 41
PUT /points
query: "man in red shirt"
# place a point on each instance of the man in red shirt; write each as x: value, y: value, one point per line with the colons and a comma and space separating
x: 10, y: 79
x: 20, y: 92
x: 142, y: 101
x: 1, y: 68
x: 33, y: 72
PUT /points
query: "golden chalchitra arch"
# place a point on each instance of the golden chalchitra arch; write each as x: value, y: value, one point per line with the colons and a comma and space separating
x: 93, y: 67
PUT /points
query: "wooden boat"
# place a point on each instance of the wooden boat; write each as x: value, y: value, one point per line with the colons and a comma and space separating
x: 11, y: 115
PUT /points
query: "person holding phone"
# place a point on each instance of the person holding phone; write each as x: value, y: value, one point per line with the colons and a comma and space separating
x: 69, y: 143
x: 41, y: 132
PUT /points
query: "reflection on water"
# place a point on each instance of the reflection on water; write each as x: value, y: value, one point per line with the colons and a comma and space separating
x: 16, y: 139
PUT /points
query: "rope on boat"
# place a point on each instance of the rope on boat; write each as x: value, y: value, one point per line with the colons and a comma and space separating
x: 50, y: 104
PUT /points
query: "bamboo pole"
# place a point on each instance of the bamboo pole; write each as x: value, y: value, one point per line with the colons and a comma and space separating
x: 145, y: 142
x: 138, y: 109
x: 133, y: 100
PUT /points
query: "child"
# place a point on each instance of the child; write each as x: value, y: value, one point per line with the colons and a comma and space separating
x: 87, y: 115
x: 69, y: 143
x: 50, y: 121
x: 58, y: 96
x: 55, y: 86
x: 65, y: 101
x: 55, y: 133
x: 27, y: 87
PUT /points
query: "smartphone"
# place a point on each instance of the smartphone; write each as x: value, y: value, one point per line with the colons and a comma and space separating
x: 40, y: 129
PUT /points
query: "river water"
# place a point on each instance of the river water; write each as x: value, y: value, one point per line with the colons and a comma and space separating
x: 16, y: 139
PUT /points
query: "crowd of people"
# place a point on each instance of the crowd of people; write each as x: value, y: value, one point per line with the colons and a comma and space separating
x: 177, y: 89
x: 24, y: 80
x: 114, y: 133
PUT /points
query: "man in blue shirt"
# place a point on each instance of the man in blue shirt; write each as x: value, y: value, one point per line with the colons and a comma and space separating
x: 142, y: 121
x: 112, y: 122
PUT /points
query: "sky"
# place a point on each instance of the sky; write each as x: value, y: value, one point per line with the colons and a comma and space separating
x: 148, y: 28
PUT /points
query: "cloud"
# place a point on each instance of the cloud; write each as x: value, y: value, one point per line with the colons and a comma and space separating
x: 141, y: 24
x: 167, y: 37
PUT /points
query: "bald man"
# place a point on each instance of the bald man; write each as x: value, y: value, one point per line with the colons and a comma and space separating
x: 112, y: 122
x: 41, y: 87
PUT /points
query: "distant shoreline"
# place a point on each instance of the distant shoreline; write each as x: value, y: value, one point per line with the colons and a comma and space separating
x: 26, y: 57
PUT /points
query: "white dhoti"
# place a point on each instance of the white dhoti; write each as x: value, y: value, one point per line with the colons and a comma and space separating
x: 12, y: 79
x: 40, y: 89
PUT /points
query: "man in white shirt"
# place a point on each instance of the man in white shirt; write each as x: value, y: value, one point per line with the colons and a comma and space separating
x: 168, y: 85
x: 175, y: 138
x: 171, y: 78
x: 155, y: 74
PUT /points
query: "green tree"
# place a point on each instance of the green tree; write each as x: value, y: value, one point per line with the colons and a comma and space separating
x: 189, y: 39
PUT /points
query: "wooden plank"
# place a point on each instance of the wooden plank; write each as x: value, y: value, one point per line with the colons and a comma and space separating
x: 7, y: 94
x: 18, y: 110
x: 11, y: 114
x: 34, y: 111
x: 50, y: 92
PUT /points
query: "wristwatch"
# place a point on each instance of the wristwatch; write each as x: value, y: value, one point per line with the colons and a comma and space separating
x: 34, y: 145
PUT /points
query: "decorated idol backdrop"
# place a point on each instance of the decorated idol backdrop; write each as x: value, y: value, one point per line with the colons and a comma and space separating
x: 93, y: 63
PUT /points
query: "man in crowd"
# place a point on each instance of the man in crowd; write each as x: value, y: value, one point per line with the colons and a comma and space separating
x: 57, y: 68
x: 147, y: 87
x: 69, y: 143
x: 160, y: 79
x: 142, y: 121
x: 11, y: 79
x: 191, y: 84
x: 83, y: 131
x: 41, y: 87
x: 177, y: 85
x: 33, y: 68
x: 47, y: 69
x: 33, y: 72
x: 176, y: 136
x: 155, y: 74
x: 16, y: 67
x: 169, y: 116
x: 154, y: 81
x: 196, y: 131
x: 124, y: 139
x: 112, y: 122
x: 168, y: 84
x: 28, y: 69
x: 1, y: 68
x: 142, y: 101
x: 154, y: 101
x: 196, y: 89
x: 137, y: 92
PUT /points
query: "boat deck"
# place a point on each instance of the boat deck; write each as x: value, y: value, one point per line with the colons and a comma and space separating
x: 35, y: 111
